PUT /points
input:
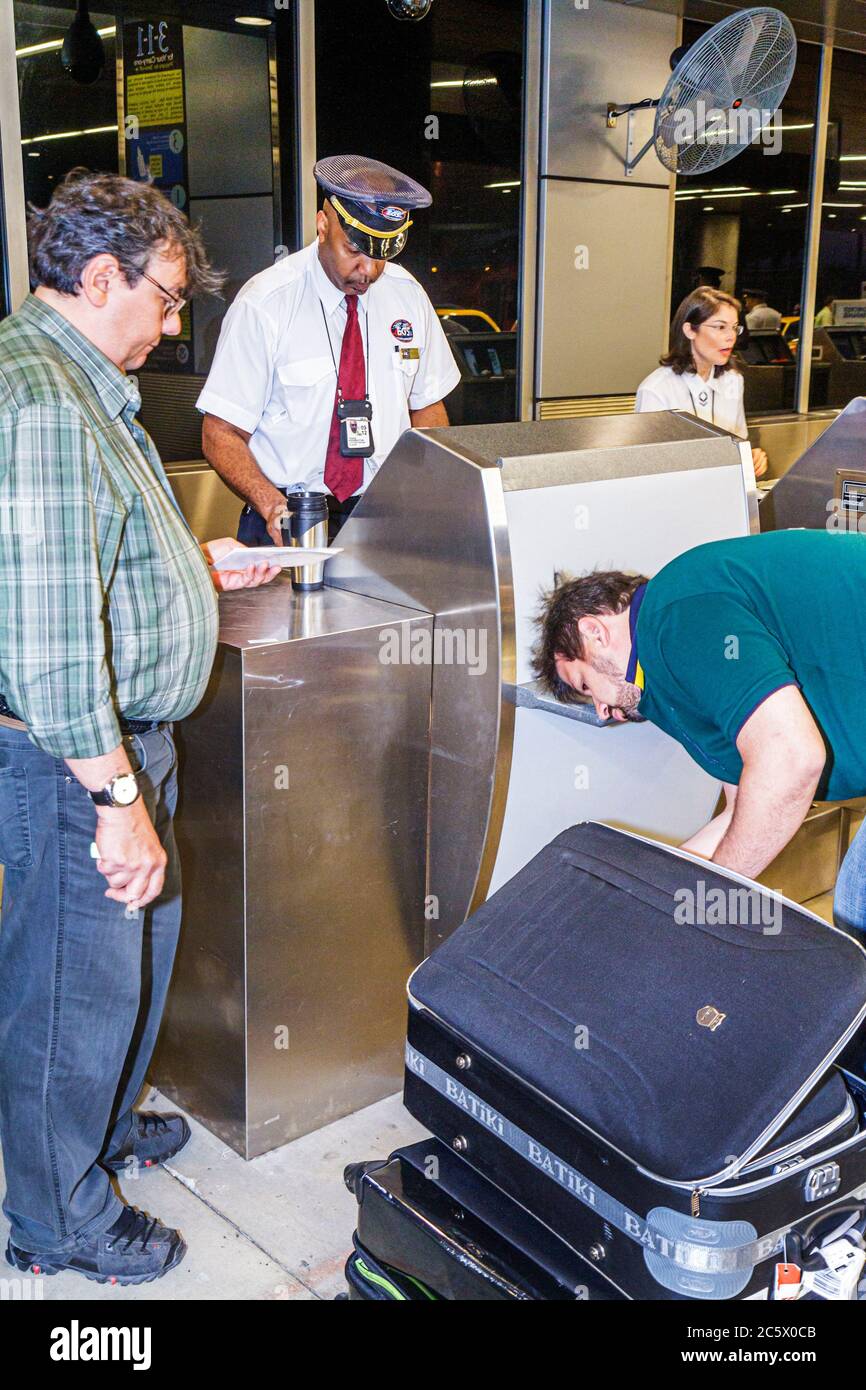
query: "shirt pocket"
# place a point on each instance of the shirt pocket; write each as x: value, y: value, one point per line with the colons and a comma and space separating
x: 407, y: 370
x: 15, y: 845
x: 302, y: 385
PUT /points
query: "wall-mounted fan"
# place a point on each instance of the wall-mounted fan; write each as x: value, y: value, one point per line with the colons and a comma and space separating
x: 721, y: 93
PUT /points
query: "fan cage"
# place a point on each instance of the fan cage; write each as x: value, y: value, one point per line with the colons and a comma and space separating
x: 724, y: 91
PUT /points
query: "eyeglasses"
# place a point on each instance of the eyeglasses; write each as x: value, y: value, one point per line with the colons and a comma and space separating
x: 735, y: 328
x: 174, y: 304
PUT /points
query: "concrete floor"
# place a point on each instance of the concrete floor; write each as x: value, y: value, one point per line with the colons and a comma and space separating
x: 278, y: 1227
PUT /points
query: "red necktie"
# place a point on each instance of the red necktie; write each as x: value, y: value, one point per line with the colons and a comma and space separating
x: 344, y: 476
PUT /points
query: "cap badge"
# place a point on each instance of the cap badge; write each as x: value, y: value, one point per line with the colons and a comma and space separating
x: 708, y: 1017
x: 392, y: 214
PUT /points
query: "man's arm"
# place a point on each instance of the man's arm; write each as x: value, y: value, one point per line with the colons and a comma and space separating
x: 227, y: 449
x: 430, y: 417
x: 131, y: 857
x: 706, y: 841
x: 783, y: 757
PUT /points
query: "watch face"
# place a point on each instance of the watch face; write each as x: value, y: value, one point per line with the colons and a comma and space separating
x: 124, y: 789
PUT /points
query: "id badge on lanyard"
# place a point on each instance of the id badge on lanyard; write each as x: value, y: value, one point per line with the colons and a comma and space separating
x: 356, y: 431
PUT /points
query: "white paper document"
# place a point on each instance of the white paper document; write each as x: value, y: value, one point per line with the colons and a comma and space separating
x: 286, y: 556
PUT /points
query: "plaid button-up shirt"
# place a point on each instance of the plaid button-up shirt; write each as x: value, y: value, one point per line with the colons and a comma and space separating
x: 107, y: 607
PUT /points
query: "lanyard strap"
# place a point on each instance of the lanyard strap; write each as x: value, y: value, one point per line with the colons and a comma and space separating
x: 334, y: 360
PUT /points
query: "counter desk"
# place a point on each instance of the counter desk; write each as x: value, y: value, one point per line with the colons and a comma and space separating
x: 301, y: 829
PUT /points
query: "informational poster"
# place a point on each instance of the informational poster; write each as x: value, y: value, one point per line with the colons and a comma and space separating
x: 156, y: 147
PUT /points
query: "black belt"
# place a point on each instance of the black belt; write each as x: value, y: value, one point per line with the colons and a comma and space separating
x: 127, y: 726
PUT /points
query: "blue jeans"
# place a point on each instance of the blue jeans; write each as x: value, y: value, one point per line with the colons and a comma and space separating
x: 82, y: 990
x: 849, y: 901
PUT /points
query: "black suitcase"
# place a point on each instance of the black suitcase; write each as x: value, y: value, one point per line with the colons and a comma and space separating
x: 659, y: 1091
x: 432, y: 1228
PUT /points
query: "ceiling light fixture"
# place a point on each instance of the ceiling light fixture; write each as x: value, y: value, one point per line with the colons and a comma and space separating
x: 32, y: 48
x: 67, y: 134
x: 461, y: 82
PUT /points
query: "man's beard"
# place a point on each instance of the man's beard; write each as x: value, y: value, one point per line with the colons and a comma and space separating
x: 628, y: 696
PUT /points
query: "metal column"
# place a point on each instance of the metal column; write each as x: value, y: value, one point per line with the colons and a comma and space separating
x: 813, y: 232
x: 14, y: 218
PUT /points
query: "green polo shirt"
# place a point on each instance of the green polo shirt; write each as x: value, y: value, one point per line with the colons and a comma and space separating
x: 725, y: 625
x: 107, y: 607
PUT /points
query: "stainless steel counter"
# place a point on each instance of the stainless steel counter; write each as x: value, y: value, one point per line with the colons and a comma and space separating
x: 302, y: 831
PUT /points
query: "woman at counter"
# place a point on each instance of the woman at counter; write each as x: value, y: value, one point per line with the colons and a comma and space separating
x: 699, y: 373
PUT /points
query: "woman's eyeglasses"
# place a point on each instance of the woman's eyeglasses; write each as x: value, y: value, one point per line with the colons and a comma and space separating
x: 173, y: 305
x: 735, y: 328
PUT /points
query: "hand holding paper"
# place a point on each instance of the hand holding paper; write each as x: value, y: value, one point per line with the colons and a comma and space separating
x: 281, y: 556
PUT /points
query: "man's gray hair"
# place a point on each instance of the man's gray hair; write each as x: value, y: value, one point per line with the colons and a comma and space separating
x: 92, y: 214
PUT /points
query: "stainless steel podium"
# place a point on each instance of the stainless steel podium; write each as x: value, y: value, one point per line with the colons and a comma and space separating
x: 302, y: 830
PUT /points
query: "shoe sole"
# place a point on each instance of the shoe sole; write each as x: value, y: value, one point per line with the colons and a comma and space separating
x: 20, y: 1259
x: 155, y: 1162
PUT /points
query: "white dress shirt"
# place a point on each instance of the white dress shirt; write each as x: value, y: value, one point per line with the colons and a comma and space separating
x: 719, y: 400
x: 762, y: 316
x: 273, y: 374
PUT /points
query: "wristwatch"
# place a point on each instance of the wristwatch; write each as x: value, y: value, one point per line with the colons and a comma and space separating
x: 122, y: 790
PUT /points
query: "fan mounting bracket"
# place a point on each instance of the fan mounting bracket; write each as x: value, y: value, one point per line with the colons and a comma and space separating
x: 632, y: 160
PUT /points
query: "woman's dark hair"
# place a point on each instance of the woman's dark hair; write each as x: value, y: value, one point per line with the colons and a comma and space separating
x: 695, y: 309
x: 602, y: 591
x: 91, y: 214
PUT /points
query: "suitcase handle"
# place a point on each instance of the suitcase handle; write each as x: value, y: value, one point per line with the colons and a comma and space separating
x: 805, y: 1250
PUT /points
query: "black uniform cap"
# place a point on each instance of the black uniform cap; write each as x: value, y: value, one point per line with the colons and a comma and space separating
x: 372, y: 201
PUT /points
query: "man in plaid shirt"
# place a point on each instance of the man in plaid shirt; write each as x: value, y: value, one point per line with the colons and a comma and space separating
x: 108, y: 630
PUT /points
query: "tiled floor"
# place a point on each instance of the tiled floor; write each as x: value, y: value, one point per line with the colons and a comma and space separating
x: 278, y: 1227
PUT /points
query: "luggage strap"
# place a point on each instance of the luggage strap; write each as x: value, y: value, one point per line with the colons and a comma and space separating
x: 714, y: 1247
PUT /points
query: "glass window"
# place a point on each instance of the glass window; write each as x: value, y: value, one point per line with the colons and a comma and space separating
x: 441, y: 99
x: 743, y: 227
x: 839, y: 344
x: 199, y: 89
x: 64, y: 123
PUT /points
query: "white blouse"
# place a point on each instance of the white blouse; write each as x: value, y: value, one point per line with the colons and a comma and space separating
x: 719, y: 400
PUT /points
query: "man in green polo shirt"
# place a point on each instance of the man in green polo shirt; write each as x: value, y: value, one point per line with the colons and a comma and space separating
x: 751, y: 653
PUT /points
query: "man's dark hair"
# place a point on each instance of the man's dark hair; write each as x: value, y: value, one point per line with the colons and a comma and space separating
x: 601, y: 591
x: 92, y: 214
